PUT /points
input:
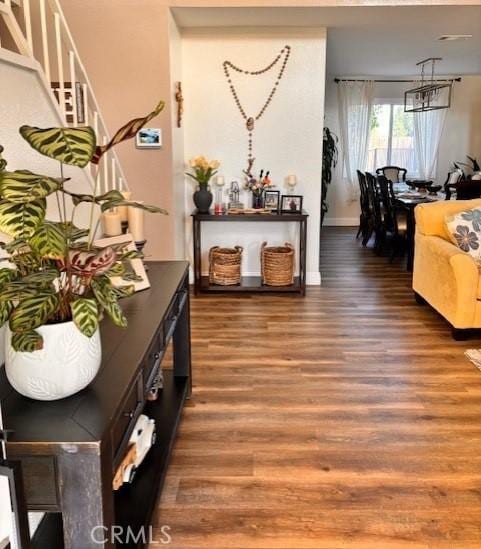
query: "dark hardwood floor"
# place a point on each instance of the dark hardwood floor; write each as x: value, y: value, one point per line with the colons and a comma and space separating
x: 347, y: 419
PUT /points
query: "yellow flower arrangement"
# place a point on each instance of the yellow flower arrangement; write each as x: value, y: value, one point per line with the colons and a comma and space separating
x: 203, y: 169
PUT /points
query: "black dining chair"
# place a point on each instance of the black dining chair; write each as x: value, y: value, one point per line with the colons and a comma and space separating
x: 377, y: 212
x: 393, y: 173
x: 365, y: 219
x: 394, y: 220
x: 451, y: 183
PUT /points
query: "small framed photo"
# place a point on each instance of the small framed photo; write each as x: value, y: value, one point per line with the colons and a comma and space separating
x: 291, y: 203
x: 134, y: 270
x: 271, y: 200
x: 149, y: 138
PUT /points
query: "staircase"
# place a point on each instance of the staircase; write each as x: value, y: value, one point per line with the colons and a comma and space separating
x: 38, y: 30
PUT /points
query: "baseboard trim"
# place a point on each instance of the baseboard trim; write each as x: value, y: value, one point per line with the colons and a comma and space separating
x: 341, y: 222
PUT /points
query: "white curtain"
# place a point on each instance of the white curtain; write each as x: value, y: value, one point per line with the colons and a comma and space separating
x: 355, y: 101
x: 428, y: 129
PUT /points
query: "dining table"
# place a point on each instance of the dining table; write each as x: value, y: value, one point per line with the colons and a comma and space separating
x: 406, y: 199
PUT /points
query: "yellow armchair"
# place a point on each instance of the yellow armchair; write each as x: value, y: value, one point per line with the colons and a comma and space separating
x: 444, y: 276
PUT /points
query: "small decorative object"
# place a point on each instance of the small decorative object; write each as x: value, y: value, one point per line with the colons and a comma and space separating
x: 277, y: 265
x: 111, y: 222
x: 272, y: 200
x: 291, y: 203
x: 234, y: 203
x: 225, y: 265
x: 131, y: 271
x: 149, y: 138
x: 291, y: 181
x: 329, y: 162
x: 250, y: 121
x: 219, y: 182
x: 257, y: 187
x: 60, y: 285
x: 473, y: 166
x: 136, y: 223
x: 204, y: 170
x: 179, y: 98
x: 123, y: 210
x: 141, y: 441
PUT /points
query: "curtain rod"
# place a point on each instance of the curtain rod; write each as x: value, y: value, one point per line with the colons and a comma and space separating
x: 337, y: 80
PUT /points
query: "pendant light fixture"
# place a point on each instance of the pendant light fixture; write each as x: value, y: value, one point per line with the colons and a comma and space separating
x: 430, y: 94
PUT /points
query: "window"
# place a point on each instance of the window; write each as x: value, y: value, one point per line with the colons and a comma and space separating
x: 391, y: 139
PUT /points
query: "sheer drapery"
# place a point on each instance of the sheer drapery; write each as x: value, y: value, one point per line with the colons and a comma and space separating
x: 428, y: 129
x: 355, y: 101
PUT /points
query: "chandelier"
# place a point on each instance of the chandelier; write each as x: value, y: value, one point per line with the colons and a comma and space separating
x: 430, y: 94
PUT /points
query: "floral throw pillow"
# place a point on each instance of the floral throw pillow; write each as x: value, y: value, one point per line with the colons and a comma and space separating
x: 464, y: 229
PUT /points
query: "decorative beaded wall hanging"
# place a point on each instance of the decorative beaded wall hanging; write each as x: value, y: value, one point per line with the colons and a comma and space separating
x: 250, y: 121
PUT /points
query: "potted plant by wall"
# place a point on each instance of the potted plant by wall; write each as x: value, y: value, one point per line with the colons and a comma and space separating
x: 329, y: 162
x: 55, y: 283
x: 204, y: 171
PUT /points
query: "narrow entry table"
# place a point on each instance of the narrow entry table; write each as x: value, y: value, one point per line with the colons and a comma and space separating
x: 250, y: 283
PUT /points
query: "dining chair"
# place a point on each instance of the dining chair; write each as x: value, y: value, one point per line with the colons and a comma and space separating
x: 365, y: 219
x: 452, y: 181
x: 393, y: 173
x: 377, y: 212
x: 395, y: 219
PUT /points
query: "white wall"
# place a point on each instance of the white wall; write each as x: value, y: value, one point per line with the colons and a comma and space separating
x: 287, y: 139
x: 461, y: 136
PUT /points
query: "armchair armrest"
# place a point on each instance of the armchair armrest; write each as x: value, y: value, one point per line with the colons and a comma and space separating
x: 447, y: 278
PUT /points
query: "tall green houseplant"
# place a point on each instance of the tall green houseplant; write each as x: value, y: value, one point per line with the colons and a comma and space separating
x: 329, y: 162
x: 58, y: 273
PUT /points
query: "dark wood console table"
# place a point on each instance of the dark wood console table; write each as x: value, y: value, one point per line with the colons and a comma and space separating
x: 249, y: 283
x: 70, y: 449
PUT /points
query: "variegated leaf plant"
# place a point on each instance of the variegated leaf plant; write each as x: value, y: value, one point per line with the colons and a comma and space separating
x: 52, y: 271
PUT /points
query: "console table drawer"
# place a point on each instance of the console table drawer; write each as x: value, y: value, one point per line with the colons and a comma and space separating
x: 153, y: 359
x: 127, y: 418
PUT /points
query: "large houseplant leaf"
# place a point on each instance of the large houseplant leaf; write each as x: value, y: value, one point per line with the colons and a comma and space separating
x: 74, y: 146
x: 25, y: 186
x: 34, y: 311
x: 5, y: 310
x: 49, y: 241
x: 126, y: 132
x: 147, y: 207
x: 85, y: 313
x: 21, y: 220
x: 107, y: 298
x: 27, y: 342
x: 7, y: 275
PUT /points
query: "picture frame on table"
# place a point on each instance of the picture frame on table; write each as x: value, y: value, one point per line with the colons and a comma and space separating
x: 291, y: 203
x: 272, y: 200
x: 149, y: 138
x: 134, y: 267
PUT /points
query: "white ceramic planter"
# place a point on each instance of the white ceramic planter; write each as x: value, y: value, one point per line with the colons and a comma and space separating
x: 68, y: 362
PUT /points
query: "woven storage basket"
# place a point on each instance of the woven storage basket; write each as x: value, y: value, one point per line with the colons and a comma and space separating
x: 225, y: 265
x: 277, y: 263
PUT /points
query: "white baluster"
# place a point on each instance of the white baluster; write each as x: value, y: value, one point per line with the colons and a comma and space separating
x: 44, y: 30
x: 61, y: 79
x: 106, y: 168
x: 85, y: 91
x: 71, y: 56
x: 28, y: 23
x: 114, y: 169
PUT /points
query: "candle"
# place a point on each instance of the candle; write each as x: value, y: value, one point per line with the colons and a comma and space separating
x: 220, y: 180
x: 292, y: 180
x: 123, y: 209
x: 136, y: 223
x: 111, y: 223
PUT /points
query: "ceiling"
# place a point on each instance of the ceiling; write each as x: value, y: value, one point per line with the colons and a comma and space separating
x: 367, y: 41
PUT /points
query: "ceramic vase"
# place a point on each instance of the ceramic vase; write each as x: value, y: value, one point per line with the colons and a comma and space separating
x: 203, y: 199
x: 68, y: 362
x: 257, y: 201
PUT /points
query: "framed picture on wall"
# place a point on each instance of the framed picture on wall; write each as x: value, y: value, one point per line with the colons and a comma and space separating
x: 271, y: 200
x: 149, y: 138
x: 291, y: 203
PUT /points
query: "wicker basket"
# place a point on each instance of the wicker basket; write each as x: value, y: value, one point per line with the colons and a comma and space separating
x: 225, y: 265
x: 277, y: 263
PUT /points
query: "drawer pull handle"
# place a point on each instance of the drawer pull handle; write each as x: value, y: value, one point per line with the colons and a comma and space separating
x: 156, y: 356
x: 130, y: 415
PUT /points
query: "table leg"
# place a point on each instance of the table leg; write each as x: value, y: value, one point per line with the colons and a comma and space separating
x: 302, y: 255
x: 197, y: 255
x: 410, y: 228
x: 182, y: 349
x: 86, y: 500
